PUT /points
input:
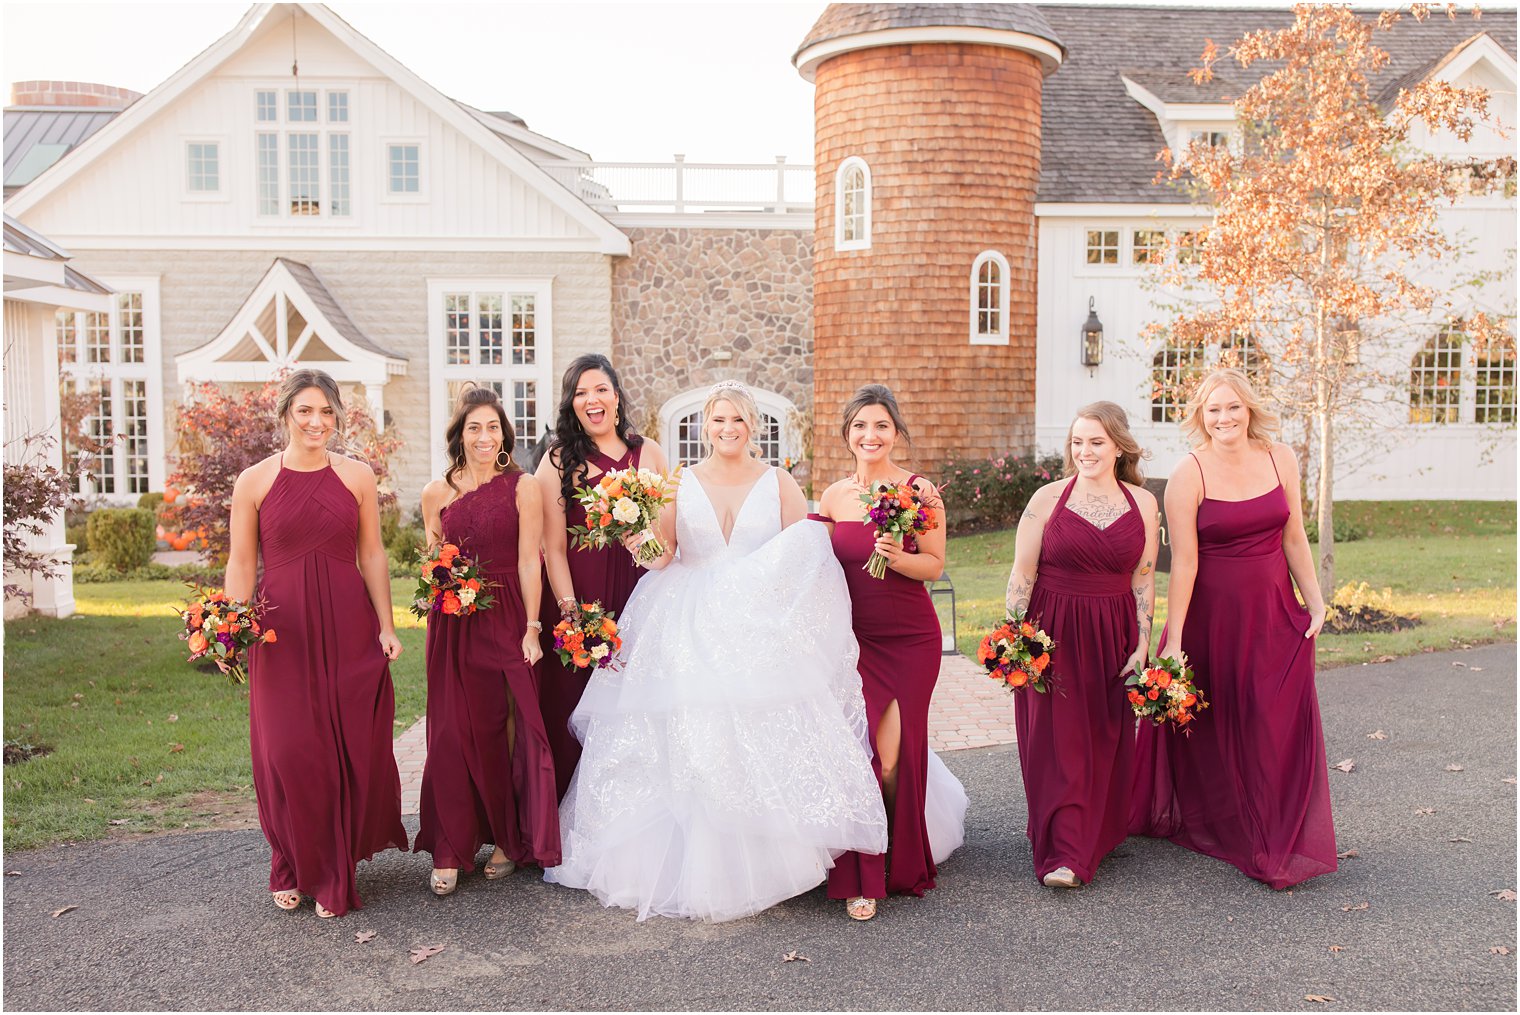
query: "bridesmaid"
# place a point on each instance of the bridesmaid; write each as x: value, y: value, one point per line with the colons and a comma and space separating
x: 320, y: 700
x: 900, y: 648
x: 489, y: 775
x: 1249, y: 786
x: 1084, y: 571
x: 593, y: 434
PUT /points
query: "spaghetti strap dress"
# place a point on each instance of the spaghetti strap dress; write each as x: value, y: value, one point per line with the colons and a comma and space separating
x: 900, y: 653
x: 1076, y: 742
x: 607, y: 575
x: 1249, y: 786
x: 481, y: 782
x: 321, y: 705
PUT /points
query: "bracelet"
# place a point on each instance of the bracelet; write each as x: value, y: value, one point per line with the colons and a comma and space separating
x: 562, y: 600
x: 537, y: 625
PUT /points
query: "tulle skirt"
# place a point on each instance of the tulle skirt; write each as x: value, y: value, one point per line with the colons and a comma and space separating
x: 726, y: 763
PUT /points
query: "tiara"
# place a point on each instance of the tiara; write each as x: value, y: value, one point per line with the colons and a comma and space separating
x: 727, y: 386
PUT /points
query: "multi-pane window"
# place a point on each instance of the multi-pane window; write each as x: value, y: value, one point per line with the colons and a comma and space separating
x: 203, y: 167
x: 1212, y: 138
x: 337, y: 166
x: 1102, y: 246
x: 1435, y: 379
x: 301, y: 107
x: 1189, y: 244
x: 292, y: 168
x: 523, y: 350
x: 458, y: 345
x: 689, y: 448
x: 852, y: 208
x: 1173, y: 371
x: 989, y: 299
x: 1494, y: 391
x: 524, y: 410
x: 1147, y: 245
x: 1243, y: 352
x: 405, y: 168
x: 491, y: 337
x: 103, y: 357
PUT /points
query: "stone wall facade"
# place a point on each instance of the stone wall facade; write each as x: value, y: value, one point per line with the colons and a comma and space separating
x: 385, y: 294
x: 951, y: 133
x: 694, y: 306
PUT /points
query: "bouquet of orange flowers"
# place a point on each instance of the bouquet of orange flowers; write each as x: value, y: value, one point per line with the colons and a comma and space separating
x: 624, y: 502
x: 222, y: 628
x: 450, y: 583
x: 588, y: 638
x: 1017, y: 652
x: 897, y: 511
x: 1165, y: 692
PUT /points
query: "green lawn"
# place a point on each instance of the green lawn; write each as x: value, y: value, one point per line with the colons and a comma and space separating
x: 1450, y: 564
x: 137, y: 733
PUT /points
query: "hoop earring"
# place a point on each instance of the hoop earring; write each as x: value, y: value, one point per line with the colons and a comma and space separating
x: 501, y: 464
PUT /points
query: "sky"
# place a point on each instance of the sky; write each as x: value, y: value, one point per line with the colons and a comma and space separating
x: 629, y: 82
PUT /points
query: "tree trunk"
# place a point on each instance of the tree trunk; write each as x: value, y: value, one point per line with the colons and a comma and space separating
x: 1326, y: 494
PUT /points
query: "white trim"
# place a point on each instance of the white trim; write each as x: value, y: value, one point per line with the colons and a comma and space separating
x: 283, y: 243
x: 1001, y: 336
x: 64, y: 298
x: 777, y: 406
x: 389, y: 196
x: 1090, y: 209
x: 1050, y: 55
x: 223, y: 192
x: 862, y: 243
x: 719, y: 220
x: 1483, y: 47
x: 526, y: 136
x: 439, y: 374
x: 1083, y: 267
x: 609, y: 239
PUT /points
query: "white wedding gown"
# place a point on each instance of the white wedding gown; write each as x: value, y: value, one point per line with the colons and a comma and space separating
x: 726, y: 762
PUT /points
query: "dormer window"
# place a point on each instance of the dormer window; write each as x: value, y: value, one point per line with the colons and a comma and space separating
x: 1212, y: 138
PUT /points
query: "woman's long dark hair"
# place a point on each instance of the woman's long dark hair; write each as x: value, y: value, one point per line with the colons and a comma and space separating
x: 571, y: 447
x: 471, y: 399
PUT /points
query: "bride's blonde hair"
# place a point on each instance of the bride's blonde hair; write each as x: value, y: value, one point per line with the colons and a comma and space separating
x: 738, y: 396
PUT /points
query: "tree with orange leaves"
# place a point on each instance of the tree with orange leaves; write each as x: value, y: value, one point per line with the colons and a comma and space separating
x: 1326, y: 225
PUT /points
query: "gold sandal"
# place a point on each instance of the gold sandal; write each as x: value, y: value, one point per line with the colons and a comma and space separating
x: 860, y: 908
x: 496, y: 869
x: 323, y: 911
x: 444, y: 884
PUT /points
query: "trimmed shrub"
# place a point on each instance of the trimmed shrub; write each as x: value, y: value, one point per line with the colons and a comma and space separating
x: 1345, y: 532
x: 150, y: 501
x: 88, y: 573
x: 402, y: 549
x: 79, y: 535
x: 122, y: 538
x: 991, y: 493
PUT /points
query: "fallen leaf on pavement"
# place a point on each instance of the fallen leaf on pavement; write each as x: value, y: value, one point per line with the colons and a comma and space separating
x: 65, y: 909
x: 1509, y: 781
x: 1503, y: 894
x: 795, y: 957
x: 1318, y: 998
x: 118, y: 821
x: 1229, y: 919
x: 1455, y: 768
x: 1337, y: 948
x: 364, y: 937
x: 1476, y: 669
x: 1499, y: 950
x: 1385, y: 659
x: 1425, y: 810
x: 1344, y: 766
x: 13, y: 874
x: 1459, y: 838
x: 1347, y: 855
x: 1377, y: 735
x: 1458, y: 662
x: 1356, y: 908
x: 426, y: 952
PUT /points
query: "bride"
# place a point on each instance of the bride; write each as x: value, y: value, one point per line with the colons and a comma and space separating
x: 726, y: 762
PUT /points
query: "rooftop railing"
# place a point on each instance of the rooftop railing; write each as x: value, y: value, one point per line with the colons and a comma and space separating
x: 683, y: 187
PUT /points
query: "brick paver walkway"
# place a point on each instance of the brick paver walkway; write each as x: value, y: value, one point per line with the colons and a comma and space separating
x: 968, y: 710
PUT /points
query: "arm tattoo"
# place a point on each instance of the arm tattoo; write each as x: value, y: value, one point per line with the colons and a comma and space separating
x: 1019, y: 591
x: 1144, y: 609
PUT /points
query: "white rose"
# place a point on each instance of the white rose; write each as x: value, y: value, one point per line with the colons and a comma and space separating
x: 600, y: 652
x: 625, y: 511
x: 466, y: 596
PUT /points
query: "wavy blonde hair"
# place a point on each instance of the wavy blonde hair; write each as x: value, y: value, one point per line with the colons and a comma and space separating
x: 1264, y: 423
x: 1115, y: 423
x: 739, y: 397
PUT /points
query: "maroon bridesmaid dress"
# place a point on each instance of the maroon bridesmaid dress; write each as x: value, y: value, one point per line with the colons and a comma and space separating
x: 608, y: 575
x: 479, y: 785
x: 320, y: 705
x: 1250, y: 785
x: 1076, y: 742
x: 900, y: 646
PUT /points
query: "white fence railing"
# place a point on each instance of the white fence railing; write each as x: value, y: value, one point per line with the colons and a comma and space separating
x: 688, y: 187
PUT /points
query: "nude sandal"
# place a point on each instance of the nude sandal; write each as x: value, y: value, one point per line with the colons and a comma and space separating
x: 287, y: 899
x: 494, y: 871
x: 444, y: 884
x: 860, y: 908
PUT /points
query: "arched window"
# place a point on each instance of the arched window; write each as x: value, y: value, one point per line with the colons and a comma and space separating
x: 852, y: 205
x: 1435, y: 379
x: 1173, y: 371
x: 989, y: 299
x: 1494, y: 393
x: 681, y: 421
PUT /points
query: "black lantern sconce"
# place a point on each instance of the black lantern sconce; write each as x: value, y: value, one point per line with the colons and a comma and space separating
x: 942, y: 595
x: 1092, y: 336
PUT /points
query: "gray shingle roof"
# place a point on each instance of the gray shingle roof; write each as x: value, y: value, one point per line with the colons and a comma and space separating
x: 1099, y: 145
x: 307, y: 279
x: 840, y: 20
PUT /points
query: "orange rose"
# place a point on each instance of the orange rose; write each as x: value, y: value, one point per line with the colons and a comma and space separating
x: 581, y: 658
x: 1184, y: 719
x: 617, y: 643
x: 1040, y: 663
x: 615, y: 490
x: 197, y: 642
x: 450, y: 603
x: 473, y: 584
x: 984, y: 651
x: 1189, y: 700
x: 224, y: 628
x: 1164, y: 679
x: 269, y: 636
x: 604, y: 521
x: 1153, y: 694
x: 1134, y: 697
x: 1026, y: 629
x: 608, y: 628
x: 1018, y: 678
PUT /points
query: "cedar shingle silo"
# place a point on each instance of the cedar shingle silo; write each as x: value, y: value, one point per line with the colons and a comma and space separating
x: 941, y: 103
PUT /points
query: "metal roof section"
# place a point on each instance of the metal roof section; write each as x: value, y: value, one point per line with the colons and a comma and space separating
x: 38, y: 136
x: 34, y: 262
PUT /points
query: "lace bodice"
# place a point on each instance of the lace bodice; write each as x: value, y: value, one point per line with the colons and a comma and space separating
x: 699, y: 535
